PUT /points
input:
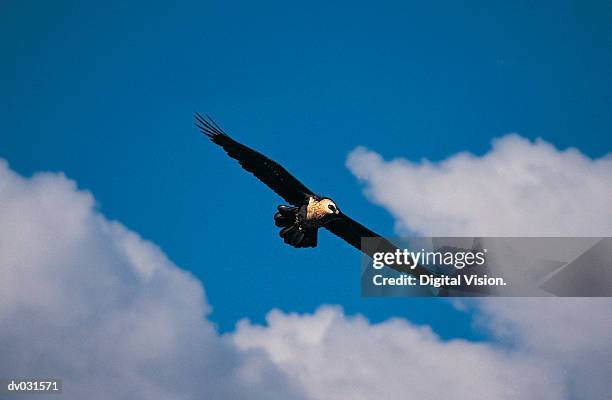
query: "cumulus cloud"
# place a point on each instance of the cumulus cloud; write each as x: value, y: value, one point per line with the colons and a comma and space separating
x: 85, y: 299
x: 335, y: 356
x: 572, y: 334
x: 519, y: 188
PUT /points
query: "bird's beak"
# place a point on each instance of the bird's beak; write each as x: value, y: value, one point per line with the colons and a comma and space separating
x: 337, y: 212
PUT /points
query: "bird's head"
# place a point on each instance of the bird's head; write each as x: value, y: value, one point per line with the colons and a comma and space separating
x: 330, y: 207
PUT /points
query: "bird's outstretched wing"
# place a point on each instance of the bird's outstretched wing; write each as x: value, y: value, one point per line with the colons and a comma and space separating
x: 352, y: 231
x: 269, y: 172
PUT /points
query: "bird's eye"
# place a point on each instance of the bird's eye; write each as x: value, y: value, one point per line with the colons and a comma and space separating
x: 331, y: 207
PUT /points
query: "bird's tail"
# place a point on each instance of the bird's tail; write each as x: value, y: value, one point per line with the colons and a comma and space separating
x: 288, y: 219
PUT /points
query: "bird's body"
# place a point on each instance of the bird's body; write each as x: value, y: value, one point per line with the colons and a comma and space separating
x: 300, y: 224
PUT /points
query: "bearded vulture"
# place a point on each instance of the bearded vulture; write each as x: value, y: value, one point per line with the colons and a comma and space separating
x: 307, y: 212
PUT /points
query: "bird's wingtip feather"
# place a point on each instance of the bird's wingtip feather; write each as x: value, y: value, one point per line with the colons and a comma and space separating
x: 207, y: 125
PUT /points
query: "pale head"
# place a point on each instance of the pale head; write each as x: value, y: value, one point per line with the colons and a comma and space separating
x: 329, y: 206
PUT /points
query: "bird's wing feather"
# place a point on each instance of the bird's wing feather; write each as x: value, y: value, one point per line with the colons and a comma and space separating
x: 352, y: 231
x: 268, y: 171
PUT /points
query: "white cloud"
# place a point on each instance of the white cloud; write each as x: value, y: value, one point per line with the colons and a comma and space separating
x: 338, y: 357
x: 571, y: 333
x: 519, y: 188
x: 87, y: 300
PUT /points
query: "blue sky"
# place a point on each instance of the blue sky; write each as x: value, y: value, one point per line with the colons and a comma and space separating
x: 107, y: 95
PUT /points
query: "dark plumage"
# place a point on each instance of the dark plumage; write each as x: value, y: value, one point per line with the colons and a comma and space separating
x: 308, y: 211
x: 291, y: 219
x: 269, y: 172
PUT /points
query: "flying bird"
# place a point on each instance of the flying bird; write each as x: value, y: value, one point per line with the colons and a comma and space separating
x: 307, y: 211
